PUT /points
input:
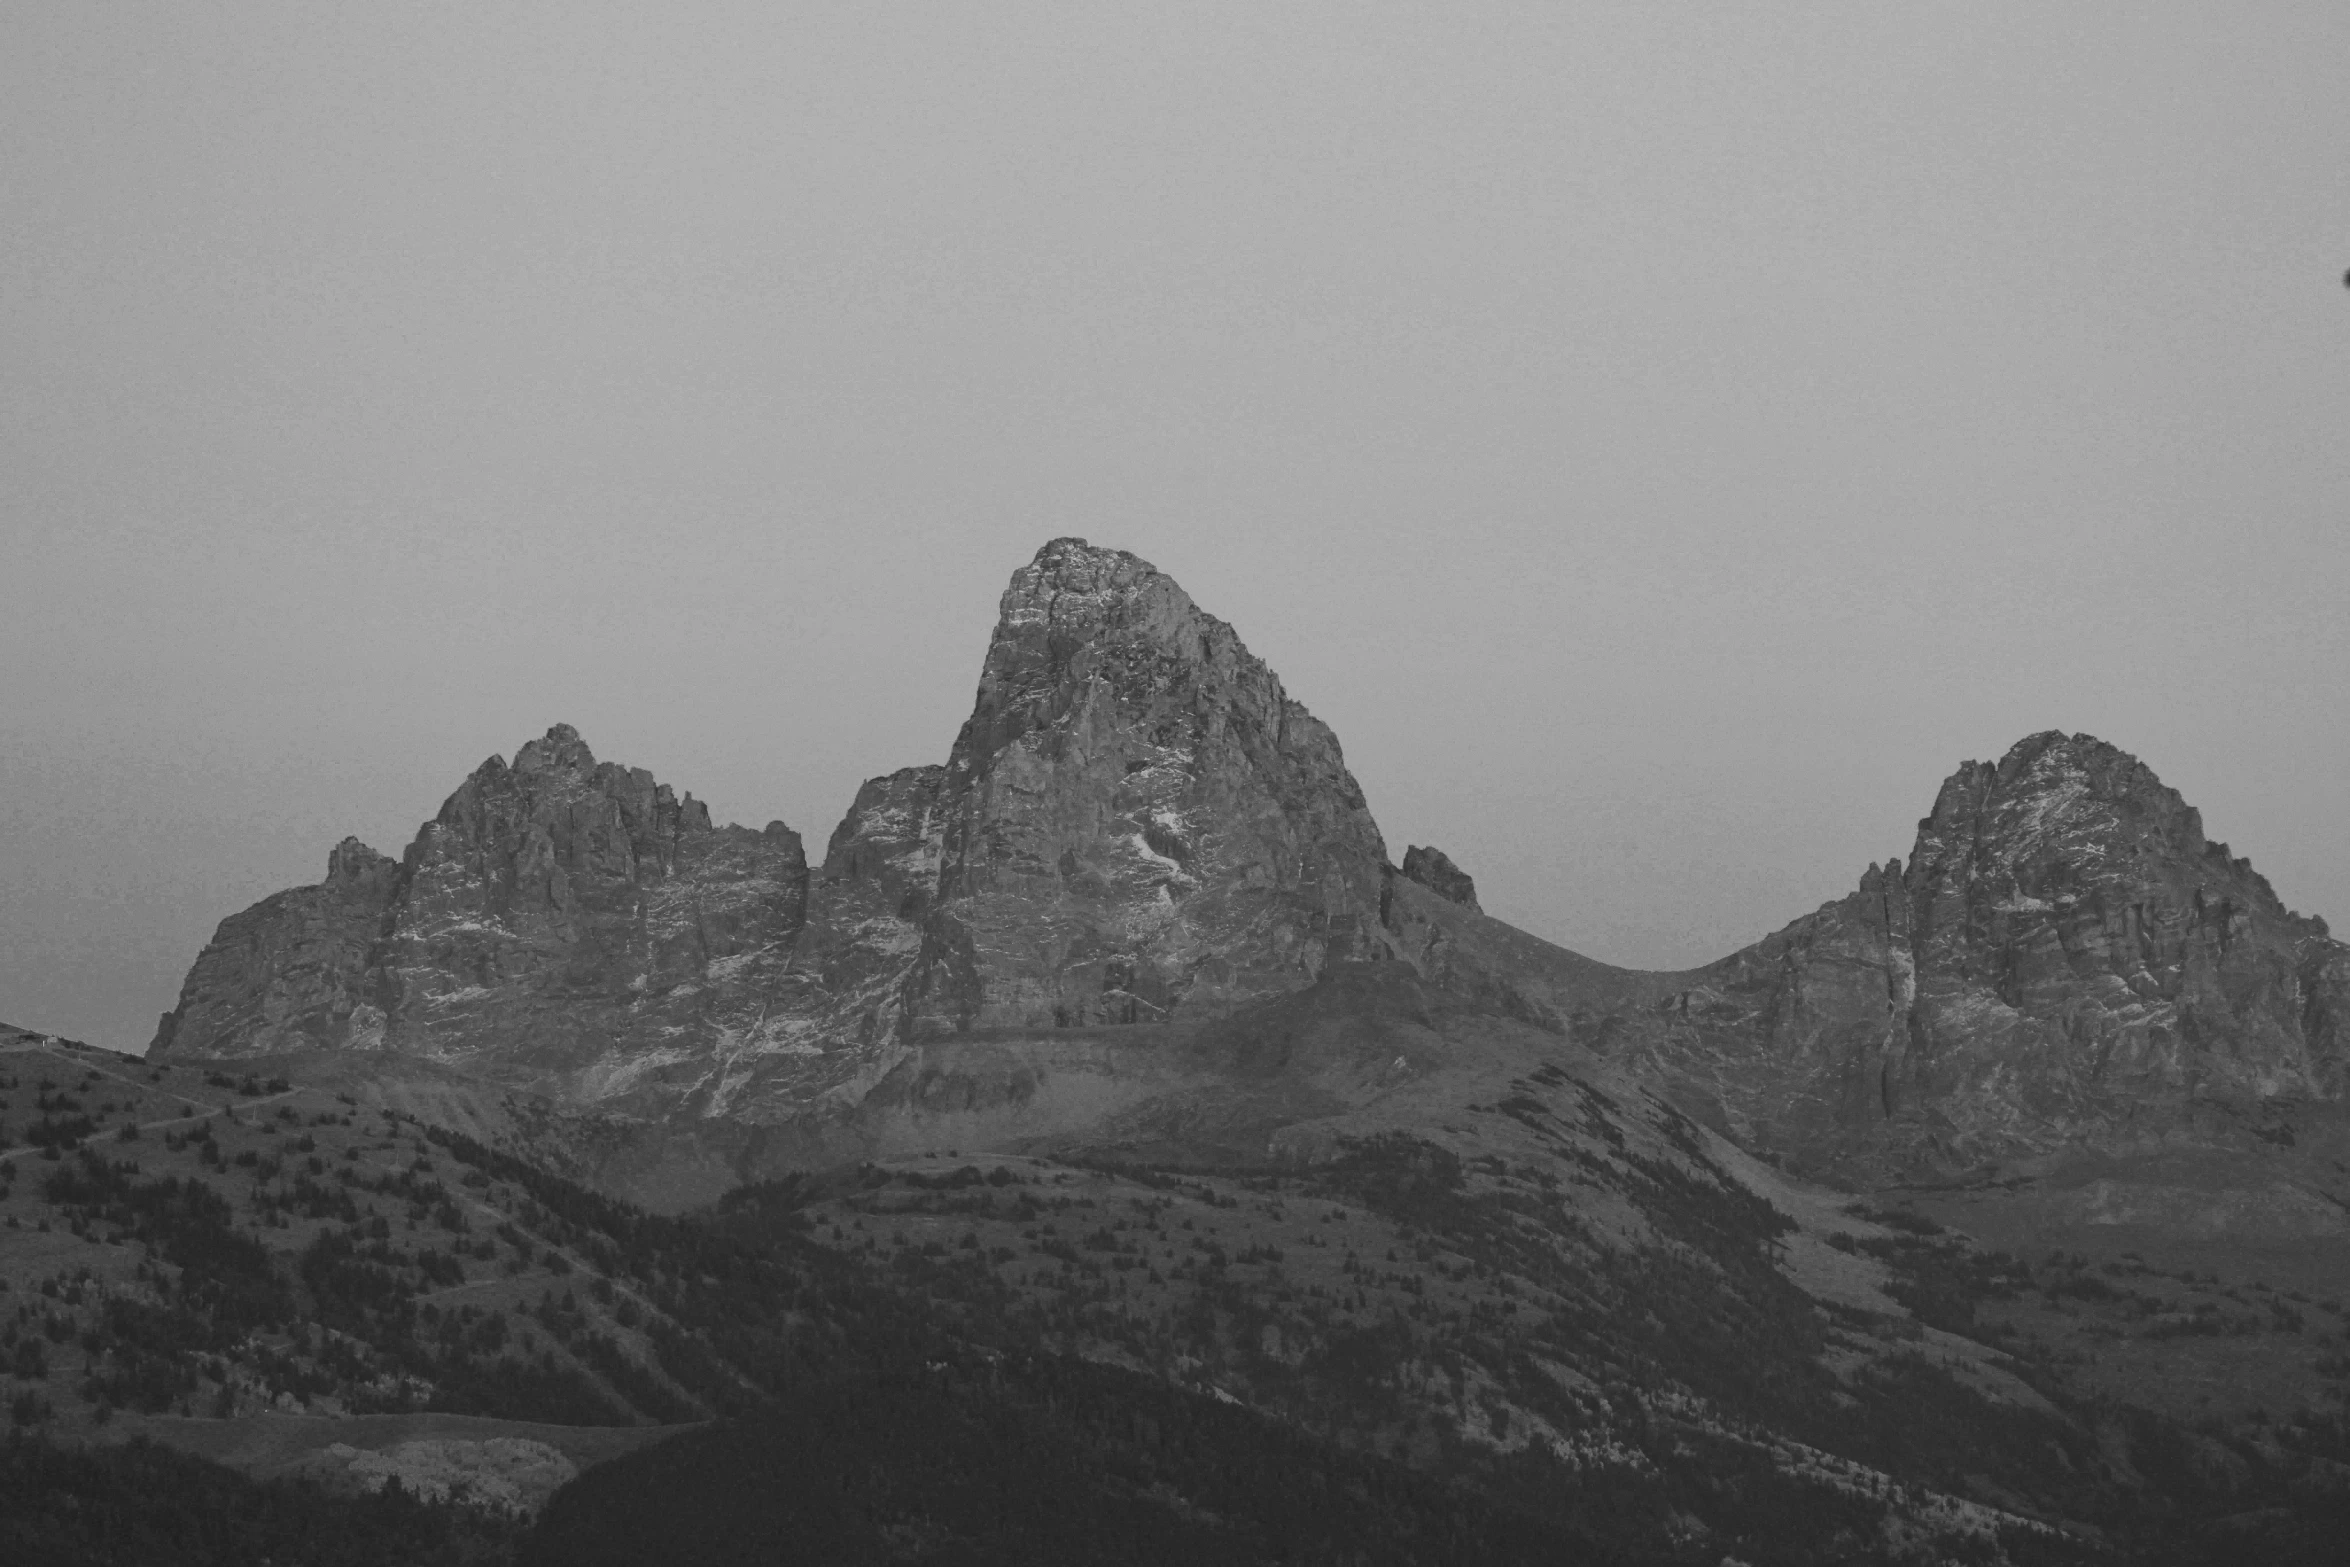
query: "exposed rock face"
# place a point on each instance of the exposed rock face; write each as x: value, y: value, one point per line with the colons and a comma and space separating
x: 1138, y: 820
x: 2064, y: 957
x: 1433, y: 869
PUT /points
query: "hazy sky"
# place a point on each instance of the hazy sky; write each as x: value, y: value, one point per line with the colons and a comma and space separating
x: 1662, y: 440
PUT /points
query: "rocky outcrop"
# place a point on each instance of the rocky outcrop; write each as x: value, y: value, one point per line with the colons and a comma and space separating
x: 1139, y: 822
x: 290, y: 972
x: 1433, y: 869
x: 504, y: 1474
x: 2065, y: 957
x: 1138, y: 827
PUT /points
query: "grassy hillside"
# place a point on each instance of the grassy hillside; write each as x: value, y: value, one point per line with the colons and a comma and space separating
x: 187, y: 1241
x: 1553, y: 1323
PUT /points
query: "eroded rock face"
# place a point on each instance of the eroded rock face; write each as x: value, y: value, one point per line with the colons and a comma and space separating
x: 2065, y: 956
x: 1139, y: 822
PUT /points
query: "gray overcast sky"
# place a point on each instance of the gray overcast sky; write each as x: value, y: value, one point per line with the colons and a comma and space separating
x: 1662, y: 440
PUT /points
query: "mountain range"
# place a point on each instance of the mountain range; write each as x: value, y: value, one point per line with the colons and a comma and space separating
x: 1138, y: 831
x: 1118, y: 1041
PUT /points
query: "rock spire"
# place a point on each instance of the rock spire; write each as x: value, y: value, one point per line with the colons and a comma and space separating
x: 1138, y: 821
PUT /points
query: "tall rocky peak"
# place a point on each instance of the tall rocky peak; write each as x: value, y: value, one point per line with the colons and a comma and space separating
x: 2064, y: 956
x: 555, y: 912
x: 1136, y: 820
x: 2074, y: 818
x: 2056, y: 801
x: 2071, y: 888
x: 523, y: 837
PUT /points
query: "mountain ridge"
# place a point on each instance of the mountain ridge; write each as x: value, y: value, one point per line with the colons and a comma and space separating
x: 1116, y: 1036
x: 1137, y: 827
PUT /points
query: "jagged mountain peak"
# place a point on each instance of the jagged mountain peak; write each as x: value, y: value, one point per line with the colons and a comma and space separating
x: 2066, y: 811
x: 560, y: 747
x: 2064, y: 958
x: 1136, y: 818
x: 2054, y: 791
x: 551, y: 911
x: 550, y: 774
x: 1079, y: 622
x: 1071, y: 588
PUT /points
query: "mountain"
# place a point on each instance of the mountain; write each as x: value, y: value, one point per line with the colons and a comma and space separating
x: 1136, y: 824
x: 1995, y: 1211
x: 2065, y: 960
x: 558, y: 918
x: 1138, y: 821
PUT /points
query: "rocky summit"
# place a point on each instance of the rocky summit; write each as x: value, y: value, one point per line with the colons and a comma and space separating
x: 1138, y: 821
x: 2065, y: 957
x: 560, y: 921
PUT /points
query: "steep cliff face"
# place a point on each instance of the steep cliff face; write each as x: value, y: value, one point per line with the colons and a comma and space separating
x: 289, y: 972
x: 1139, y: 822
x: 2064, y: 957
